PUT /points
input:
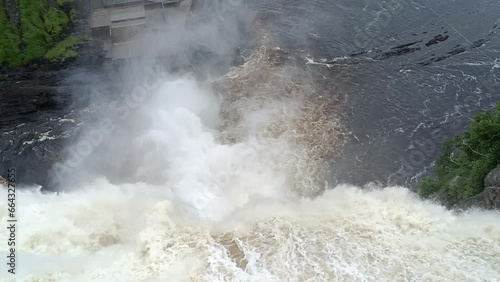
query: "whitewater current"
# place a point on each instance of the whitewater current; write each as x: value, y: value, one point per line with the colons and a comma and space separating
x: 223, y: 198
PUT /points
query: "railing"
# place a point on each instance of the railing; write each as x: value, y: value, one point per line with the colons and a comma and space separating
x: 110, y: 3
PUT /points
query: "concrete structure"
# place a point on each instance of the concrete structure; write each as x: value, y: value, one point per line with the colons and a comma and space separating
x: 124, y: 24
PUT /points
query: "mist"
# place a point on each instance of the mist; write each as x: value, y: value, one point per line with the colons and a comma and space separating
x: 210, y: 159
x: 189, y: 48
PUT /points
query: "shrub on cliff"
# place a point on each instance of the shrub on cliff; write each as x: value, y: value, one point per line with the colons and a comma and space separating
x: 40, y: 35
x: 56, y: 22
x: 63, y: 50
x: 467, y: 158
x: 35, y: 36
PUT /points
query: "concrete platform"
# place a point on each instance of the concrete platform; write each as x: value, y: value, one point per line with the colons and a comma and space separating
x: 124, y: 24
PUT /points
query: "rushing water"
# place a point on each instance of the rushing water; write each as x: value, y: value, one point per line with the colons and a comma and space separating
x: 197, y: 186
x: 401, y: 106
x: 192, y: 223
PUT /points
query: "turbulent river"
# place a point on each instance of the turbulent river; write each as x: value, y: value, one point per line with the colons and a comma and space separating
x: 230, y: 178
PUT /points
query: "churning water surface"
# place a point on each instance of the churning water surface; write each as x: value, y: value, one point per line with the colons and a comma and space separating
x: 226, y: 211
x: 242, y: 196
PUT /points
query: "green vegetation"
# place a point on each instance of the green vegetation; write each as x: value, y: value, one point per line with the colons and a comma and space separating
x: 460, y: 170
x: 10, y: 42
x: 64, y: 2
x: 72, y: 15
x: 55, y: 22
x: 35, y: 36
x: 40, y: 36
x: 63, y: 50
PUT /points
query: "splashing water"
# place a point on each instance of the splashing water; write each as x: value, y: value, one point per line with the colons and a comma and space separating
x: 206, y: 209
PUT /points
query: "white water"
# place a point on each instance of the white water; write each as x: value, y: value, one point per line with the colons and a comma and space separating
x: 214, y: 212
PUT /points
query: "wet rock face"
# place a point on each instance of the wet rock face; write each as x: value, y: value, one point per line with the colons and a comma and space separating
x: 492, y: 197
x: 438, y: 38
x: 12, y: 8
x: 474, y: 202
x: 492, y: 192
x: 32, y: 130
x: 489, y: 198
x: 39, y: 111
x: 493, y: 178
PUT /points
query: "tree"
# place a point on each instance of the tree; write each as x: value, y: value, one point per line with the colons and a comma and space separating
x: 467, y: 158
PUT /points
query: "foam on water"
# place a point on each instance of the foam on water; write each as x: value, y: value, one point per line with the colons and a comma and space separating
x: 207, y: 210
x: 129, y: 233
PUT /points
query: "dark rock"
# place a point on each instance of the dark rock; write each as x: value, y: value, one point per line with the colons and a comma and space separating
x: 492, y: 197
x: 489, y: 199
x: 438, y: 38
x: 399, y: 50
x: 396, y: 52
x: 474, y: 202
x: 12, y: 9
x: 479, y: 43
x: 457, y: 50
x: 406, y: 45
x: 492, y: 179
x: 27, y: 117
x: 355, y: 54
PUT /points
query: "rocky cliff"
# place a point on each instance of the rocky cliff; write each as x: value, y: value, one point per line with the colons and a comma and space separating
x: 490, y: 197
x: 491, y: 194
x: 12, y: 9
